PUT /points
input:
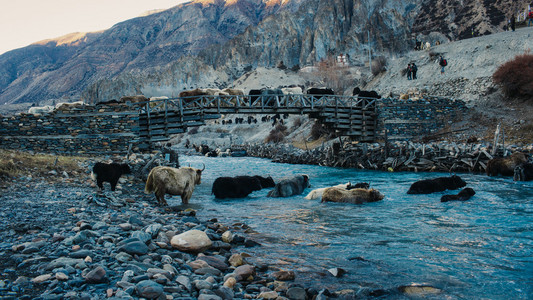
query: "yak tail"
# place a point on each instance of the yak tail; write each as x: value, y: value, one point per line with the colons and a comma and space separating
x: 149, y: 187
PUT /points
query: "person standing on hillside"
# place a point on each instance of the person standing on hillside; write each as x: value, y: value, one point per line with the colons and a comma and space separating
x: 443, y: 63
x: 414, y: 68
x: 409, y: 71
x: 530, y: 18
x: 513, y: 22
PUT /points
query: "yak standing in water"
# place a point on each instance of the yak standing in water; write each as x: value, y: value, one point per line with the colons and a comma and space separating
x: 290, y: 187
x: 439, y: 184
x: 240, y: 186
x: 166, y: 180
x: 356, y: 196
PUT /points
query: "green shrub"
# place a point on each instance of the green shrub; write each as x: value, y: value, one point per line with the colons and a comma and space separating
x: 515, y: 77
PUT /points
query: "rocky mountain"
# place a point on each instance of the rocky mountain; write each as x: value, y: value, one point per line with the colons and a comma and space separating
x: 318, y: 29
x: 63, y: 67
x: 166, y: 52
x: 460, y: 19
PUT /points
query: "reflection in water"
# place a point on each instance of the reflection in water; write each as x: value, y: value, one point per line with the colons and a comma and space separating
x: 481, y: 248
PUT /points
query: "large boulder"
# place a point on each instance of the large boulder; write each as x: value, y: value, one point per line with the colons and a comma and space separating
x: 191, y: 241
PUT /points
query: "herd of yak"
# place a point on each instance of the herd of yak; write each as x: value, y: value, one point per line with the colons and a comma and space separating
x: 164, y: 180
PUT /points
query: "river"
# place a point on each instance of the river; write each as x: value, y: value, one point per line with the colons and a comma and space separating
x: 478, y: 249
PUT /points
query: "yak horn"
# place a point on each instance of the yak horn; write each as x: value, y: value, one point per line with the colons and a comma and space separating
x: 203, y: 168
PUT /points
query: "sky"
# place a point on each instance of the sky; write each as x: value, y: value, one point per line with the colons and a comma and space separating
x: 23, y: 22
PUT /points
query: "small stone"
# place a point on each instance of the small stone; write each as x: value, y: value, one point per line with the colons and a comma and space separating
x: 236, y: 260
x: 230, y: 282
x: 227, y: 237
x: 123, y: 257
x: 125, y: 226
x: 184, y: 281
x: 296, y: 293
x: 244, y: 272
x: 420, y: 291
x: 268, y: 295
x: 214, y: 262
x: 135, y: 248
x: 41, y: 278
x: 198, y: 264
x: 61, y: 276
x: 284, y: 275
x: 96, y: 275
x: 109, y: 293
x: 149, y: 289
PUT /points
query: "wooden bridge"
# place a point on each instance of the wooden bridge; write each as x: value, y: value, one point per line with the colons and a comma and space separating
x: 345, y: 115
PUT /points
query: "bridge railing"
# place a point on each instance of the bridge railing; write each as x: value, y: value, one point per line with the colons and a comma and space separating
x: 263, y: 102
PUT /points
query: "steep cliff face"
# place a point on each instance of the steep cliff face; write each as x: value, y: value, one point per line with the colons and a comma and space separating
x: 55, y: 69
x: 460, y: 19
x: 318, y: 29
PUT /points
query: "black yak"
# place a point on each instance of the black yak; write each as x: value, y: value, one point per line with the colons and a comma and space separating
x: 439, y: 184
x: 111, y: 173
x: 463, y: 195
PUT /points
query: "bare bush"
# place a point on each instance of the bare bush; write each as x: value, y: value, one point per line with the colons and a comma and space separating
x: 378, y: 65
x: 318, y: 130
x: 515, y: 77
x: 277, y: 135
x: 334, y: 75
x: 297, y: 123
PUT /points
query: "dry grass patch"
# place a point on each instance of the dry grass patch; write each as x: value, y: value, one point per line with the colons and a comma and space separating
x: 305, y: 145
x: 14, y: 164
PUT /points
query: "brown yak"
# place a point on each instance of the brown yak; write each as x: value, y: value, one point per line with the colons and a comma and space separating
x: 166, y: 180
x: 505, y: 165
x: 357, y: 196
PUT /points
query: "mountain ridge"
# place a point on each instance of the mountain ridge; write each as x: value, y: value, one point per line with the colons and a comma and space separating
x: 170, y: 49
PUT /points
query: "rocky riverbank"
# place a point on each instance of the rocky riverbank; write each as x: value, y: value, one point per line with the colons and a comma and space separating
x: 397, y: 156
x: 62, y: 240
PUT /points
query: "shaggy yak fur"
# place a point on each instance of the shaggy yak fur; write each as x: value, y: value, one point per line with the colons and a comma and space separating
x: 290, y: 187
x: 463, y: 195
x: 356, y: 196
x: 439, y: 184
x: 317, y: 193
x: 166, y: 180
x: 111, y: 173
x: 266, y: 182
x: 505, y: 165
x: 240, y: 186
x: 360, y: 185
x: 523, y: 172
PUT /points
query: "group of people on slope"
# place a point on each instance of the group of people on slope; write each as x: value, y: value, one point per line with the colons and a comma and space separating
x: 412, y: 68
x: 512, y: 21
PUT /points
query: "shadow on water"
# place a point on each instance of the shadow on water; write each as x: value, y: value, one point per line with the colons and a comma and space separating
x: 481, y: 248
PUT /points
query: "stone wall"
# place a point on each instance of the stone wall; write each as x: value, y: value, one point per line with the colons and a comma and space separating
x: 112, y: 129
x: 86, y: 130
x: 413, y: 119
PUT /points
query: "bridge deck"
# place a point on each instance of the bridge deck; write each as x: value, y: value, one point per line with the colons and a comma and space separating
x: 346, y: 115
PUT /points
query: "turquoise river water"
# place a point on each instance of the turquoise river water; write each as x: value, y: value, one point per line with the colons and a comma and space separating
x: 478, y: 249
